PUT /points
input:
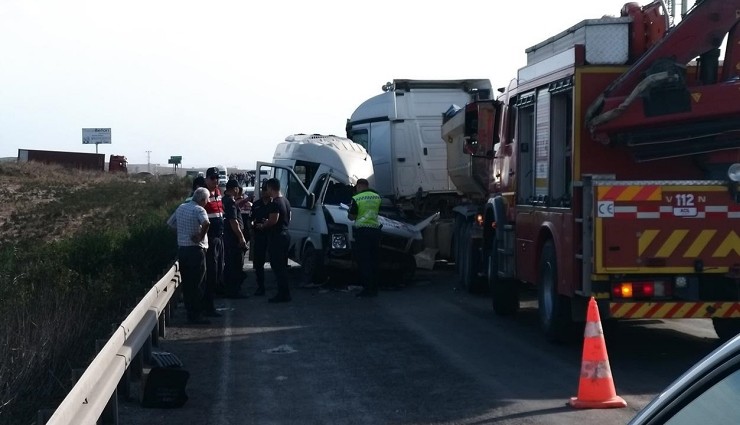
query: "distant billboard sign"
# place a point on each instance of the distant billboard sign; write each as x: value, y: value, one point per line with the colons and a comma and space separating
x: 95, y: 136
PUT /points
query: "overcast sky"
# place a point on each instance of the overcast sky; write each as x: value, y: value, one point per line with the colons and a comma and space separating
x: 222, y: 82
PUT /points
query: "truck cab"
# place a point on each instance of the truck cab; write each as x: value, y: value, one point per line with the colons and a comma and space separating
x: 317, y: 175
x: 223, y: 176
x: 400, y: 130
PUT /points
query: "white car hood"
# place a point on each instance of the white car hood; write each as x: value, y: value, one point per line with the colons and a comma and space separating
x: 390, y: 227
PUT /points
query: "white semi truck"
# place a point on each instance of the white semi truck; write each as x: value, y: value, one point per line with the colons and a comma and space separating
x: 317, y: 174
x: 400, y: 128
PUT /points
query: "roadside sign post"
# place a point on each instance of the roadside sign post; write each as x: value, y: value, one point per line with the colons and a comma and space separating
x: 175, y: 161
x: 96, y: 136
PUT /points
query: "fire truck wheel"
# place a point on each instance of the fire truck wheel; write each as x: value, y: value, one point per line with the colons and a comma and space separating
x: 726, y: 328
x: 470, y: 261
x: 504, y: 292
x: 554, y: 309
x: 313, y: 266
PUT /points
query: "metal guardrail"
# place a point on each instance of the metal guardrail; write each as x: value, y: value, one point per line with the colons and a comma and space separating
x: 95, y: 393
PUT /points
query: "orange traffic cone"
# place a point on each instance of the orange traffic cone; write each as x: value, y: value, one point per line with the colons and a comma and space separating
x: 596, y: 386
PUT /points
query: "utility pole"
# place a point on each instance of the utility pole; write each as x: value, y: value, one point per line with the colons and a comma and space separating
x: 148, y: 161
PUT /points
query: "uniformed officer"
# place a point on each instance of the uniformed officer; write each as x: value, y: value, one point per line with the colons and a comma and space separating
x: 234, y: 243
x: 215, y: 254
x: 258, y: 244
x: 366, y: 248
x: 278, y: 239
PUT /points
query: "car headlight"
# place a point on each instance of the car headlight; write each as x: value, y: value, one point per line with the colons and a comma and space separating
x: 339, y: 241
x: 734, y: 172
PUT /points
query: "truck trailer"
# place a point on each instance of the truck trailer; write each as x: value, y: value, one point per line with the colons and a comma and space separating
x: 615, y: 173
x: 79, y: 160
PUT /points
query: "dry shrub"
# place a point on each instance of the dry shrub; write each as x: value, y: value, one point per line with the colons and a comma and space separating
x: 71, y: 265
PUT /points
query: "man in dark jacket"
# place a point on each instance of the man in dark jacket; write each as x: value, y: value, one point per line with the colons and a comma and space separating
x: 258, y: 246
x: 234, y: 243
x: 278, y: 239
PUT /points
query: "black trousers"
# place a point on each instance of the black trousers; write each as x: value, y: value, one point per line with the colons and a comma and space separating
x: 367, y: 255
x: 214, y: 270
x: 259, y: 255
x: 192, y: 260
x: 233, y: 267
x: 277, y: 246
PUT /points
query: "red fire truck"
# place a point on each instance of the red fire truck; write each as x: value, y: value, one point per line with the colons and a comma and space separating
x: 610, y: 167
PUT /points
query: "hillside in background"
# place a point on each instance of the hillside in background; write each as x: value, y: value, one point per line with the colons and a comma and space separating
x: 78, y: 249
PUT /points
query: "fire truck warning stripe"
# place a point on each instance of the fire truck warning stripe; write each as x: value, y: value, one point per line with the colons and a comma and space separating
x: 675, y: 310
x: 646, y: 238
x: 670, y: 245
x: 730, y: 244
x: 692, y: 311
x: 609, y: 193
x: 699, y: 244
x: 649, y: 193
x: 628, y: 193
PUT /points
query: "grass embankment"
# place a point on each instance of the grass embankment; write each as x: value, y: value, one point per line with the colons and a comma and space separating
x: 77, y: 251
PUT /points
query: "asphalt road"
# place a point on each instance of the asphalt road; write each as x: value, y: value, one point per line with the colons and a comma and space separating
x: 427, y: 354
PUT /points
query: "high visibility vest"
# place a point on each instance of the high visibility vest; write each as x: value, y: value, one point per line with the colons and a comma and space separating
x: 368, y: 204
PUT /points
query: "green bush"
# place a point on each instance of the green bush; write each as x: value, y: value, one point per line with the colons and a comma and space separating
x: 68, y: 273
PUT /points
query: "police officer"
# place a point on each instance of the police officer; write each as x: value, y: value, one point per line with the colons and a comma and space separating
x: 258, y: 244
x: 234, y: 242
x: 364, y: 211
x: 215, y: 254
x: 278, y: 239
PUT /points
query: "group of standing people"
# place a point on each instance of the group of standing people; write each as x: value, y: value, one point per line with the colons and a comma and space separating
x: 212, y: 240
x: 212, y: 232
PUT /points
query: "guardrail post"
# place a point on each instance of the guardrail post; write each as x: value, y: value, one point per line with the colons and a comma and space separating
x: 146, y: 350
x: 137, y: 366
x: 124, y: 385
x: 162, y: 325
x: 155, y: 334
x: 110, y: 413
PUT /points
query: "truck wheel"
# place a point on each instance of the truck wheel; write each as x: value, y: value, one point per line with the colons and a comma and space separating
x: 456, y: 236
x: 313, y: 266
x: 504, y: 292
x: 726, y: 328
x: 554, y: 309
x: 408, y: 269
x: 470, y: 261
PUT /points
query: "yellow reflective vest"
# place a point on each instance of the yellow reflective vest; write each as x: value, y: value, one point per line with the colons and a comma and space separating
x: 368, y: 204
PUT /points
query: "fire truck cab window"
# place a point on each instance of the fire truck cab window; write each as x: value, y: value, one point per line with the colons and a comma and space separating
x: 525, y: 132
x: 561, y: 134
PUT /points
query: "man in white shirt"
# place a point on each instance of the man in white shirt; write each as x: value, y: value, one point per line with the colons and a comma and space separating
x: 191, y: 221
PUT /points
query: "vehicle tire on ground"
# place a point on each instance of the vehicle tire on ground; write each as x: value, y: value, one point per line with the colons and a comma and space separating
x: 554, y: 309
x: 726, y: 328
x: 408, y: 269
x: 457, y: 230
x: 471, y: 261
x: 313, y: 266
x: 504, y: 292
